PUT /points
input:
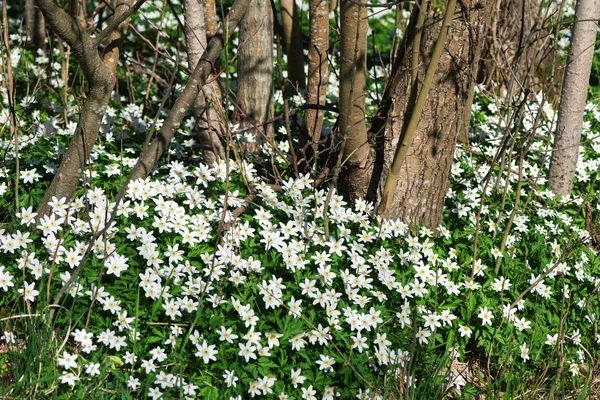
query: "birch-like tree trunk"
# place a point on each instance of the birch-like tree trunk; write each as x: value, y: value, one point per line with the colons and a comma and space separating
x: 565, y: 151
x: 255, y: 72
x: 207, y: 116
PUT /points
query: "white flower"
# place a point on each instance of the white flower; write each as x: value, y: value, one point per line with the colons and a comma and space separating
x: 524, y: 352
x: 133, y: 383
x: 359, y: 342
x: 522, y: 324
x: 247, y: 351
x: 501, y: 284
x: 5, y: 279
x: 206, y: 352
x: 230, y: 378
x: 297, y: 378
x: 422, y: 335
x: 68, y: 360
x: 28, y: 291
x: 69, y: 378
x: 465, y: 331
x: 154, y: 393
x: 574, y: 368
x: 309, y: 393
x: 326, y: 363
x: 551, y: 340
x: 486, y: 316
x: 93, y: 369
x: 29, y: 176
x: 432, y: 320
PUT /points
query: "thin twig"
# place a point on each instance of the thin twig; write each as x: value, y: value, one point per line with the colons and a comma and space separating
x: 115, y: 23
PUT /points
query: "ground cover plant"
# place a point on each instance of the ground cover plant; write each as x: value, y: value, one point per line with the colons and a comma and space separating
x: 216, y: 282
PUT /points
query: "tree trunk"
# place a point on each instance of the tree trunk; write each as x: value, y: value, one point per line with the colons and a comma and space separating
x: 519, y: 52
x: 207, y: 118
x: 101, y: 75
x: 318, y: 79
x: 292, y: 43
x: 353, y: 77
x: 418, y: 197
x: 255, y: 73
x: 35, y: 25
x: 215, y: 114
x: 573, y: 97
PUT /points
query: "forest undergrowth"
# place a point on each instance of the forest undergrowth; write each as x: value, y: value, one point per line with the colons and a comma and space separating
x: 240, y: 280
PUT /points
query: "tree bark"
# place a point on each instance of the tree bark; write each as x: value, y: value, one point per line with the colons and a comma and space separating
x: 353, y: 76
x: 419, y: 193
x: 292, y: 43
x: 318, y: 79
x: 35, y: 25
x: 571, y: 110
x: 101, y: 75
x: 207, y: 118
x: 520, y: 53
x: 211, y: 19
x: 255, y: 72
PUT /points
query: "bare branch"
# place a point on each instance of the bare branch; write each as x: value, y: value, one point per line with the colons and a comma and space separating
x: 62, y: 23
x: 116, y: 22
x: 75, y: 35
x: 376, y: 5
x: 326, y: 107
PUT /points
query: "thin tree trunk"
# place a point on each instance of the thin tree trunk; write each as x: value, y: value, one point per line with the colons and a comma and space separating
x: 423, y: 177
x: 35, y: 25
x: 207, y: 120
x: 101, y: 75
x: 353, y: 76
x: 318, y: 79
x: 255, y: 72
x: 292, y: 43
x: 573, y: 97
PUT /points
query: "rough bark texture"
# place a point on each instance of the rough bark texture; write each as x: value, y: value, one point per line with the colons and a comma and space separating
x: 353, y: 76
x: 151, y: 154
x: 318, y: 79
x: 101, y: 76
x: 424, y: 176
x: 519, y: 52
x: 207, y: 118
x: 35, y: 25
x: 255, y: 71
x: 572, y: 102
x: 292, y: 43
